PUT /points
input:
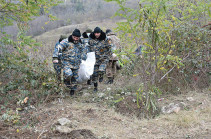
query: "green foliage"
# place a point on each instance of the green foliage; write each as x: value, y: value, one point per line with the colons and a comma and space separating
x: 25, y: 78
x: 25, y: 74
x: 148, y: 100
x: 11, y: 117
x: 22, y: 11
x: 170, y: 33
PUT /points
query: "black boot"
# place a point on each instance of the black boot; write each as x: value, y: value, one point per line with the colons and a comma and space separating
x: 95, y: 87
x: 110, y: 81
x: 72, y: 92
x: 100, y: 79
x: 89, y: 82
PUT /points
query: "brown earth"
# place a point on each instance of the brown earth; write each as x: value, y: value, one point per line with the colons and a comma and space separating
x: 94, y: 120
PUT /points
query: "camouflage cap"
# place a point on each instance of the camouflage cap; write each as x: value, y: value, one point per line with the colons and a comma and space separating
x: 88, y: 30
x: 62, y: 37
x: 108, y: 31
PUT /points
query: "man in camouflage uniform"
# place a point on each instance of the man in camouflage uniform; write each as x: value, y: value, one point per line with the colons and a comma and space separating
x: 85, y: 37
x: 113, y: 61
x: 58, y: 66
x: 72, y: 52
x: 101, y: 45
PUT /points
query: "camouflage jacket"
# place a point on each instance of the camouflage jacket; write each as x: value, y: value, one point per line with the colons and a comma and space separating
x: 72, y: 53
x: 85, y: 44
x: 115, y: 41
x: 101, y: 47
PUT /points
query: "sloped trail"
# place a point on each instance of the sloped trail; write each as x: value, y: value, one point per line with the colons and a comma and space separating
x: 104, y: 122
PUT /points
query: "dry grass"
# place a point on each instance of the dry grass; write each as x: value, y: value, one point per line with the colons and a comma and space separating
x: 187, y: 119
x: 106, y: 123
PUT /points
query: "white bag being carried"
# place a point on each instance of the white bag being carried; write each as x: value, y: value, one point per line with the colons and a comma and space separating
x: 86, y: 68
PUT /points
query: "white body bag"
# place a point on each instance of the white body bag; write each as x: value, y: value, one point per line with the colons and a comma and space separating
x: 86, y: 68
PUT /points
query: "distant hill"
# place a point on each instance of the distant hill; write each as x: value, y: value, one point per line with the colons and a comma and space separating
x: 53, y: 35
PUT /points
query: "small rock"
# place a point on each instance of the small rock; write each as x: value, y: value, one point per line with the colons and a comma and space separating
x: 108, y: 89
x: 60, y: 101
x: 100, y: 95
x: 64, y: 122
x: 171, y: 108
x: 82, y: 134
x: 176, y: 109
x: 128, y: 93
x: 63, y: 129
x: 134, y: 100
x: 190, y: 99
x: 86, y: 94
x: 182, y: 104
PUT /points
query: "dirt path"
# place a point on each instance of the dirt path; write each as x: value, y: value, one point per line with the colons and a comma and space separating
x: 95, y: 120
x: 104, y: 122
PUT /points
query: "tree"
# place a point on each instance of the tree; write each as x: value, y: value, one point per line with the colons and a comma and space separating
x: 25, y: 74
x: 20, y: 12
x: 165, y: 27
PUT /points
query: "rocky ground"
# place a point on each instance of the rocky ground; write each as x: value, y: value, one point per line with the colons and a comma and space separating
x: 183, y: 116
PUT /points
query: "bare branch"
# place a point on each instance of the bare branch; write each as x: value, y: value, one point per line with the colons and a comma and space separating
x: 173, y: 68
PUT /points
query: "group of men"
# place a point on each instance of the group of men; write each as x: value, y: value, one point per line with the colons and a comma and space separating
x: 69, y: 53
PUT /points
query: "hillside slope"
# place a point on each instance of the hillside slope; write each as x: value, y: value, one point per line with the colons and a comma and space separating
x: 95, y: 120
x: 53, y: 35
x: 91, y: 117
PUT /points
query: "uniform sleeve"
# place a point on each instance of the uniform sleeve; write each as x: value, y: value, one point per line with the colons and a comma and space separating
x: 113, y: 47
x: 84, y: 53
x: 86, y: 46
x: 110, y: 41
x: 110, y: 47
x: 59, y: 48
x: 109, y: 52
x: 55, y: 52
x: 91, y: 44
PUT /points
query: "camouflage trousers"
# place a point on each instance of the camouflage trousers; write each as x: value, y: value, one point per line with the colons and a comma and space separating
x: 99, y: 71
x: 70, y: 77
x: 111, y: 68
x: 58, y: 69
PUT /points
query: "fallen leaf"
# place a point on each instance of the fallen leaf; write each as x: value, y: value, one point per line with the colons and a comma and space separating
x: 25, y: 100
x: 18, y: 109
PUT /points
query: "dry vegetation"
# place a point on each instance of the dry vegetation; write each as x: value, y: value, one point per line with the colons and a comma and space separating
x: 71, y: 12
x: 91, y: 111
x: 104, y: 122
